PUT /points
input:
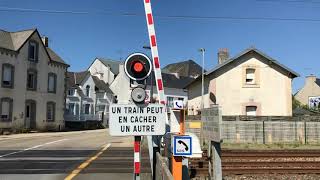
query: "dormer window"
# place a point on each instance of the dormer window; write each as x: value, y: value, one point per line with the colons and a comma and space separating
x: 33, y: 51
x: 71, y: 92
x: 250, y: 76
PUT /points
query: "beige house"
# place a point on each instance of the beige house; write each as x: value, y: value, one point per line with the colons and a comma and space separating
x: 309, y: 94
x: 251, y: 83
x: 32, y: 92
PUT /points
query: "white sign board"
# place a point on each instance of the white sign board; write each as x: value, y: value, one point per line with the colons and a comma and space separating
x: 177, y: 104
x: 133, y: 120
x: 182, y: 146
x: 314, y: 102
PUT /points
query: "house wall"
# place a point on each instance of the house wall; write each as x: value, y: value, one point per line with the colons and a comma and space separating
x: 19, y: 94
x: 102, y: 71
x: 92, y: 94
x: 194, y: 96
x: 121, y: 87
x: 310, y: 88
x: 272, y: 95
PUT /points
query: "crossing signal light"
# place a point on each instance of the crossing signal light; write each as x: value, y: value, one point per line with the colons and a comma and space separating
x: 138, y: 66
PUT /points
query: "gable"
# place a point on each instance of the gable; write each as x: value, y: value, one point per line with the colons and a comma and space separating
x: 261, y: 56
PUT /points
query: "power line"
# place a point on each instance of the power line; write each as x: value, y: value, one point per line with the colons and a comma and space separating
x: 192, y: 17
x: 291, y: 1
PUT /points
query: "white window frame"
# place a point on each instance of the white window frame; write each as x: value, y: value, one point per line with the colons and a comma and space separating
x: 250, y: 76
x: 251, y: 110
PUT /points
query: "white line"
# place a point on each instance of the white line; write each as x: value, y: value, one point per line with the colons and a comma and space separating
x: 34, y: 147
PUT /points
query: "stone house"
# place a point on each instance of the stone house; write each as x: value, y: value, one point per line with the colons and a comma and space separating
x: 251, y: 83
x: 32, y: 92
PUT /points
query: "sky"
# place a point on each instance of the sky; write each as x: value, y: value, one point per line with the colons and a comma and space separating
x: 79, y: 31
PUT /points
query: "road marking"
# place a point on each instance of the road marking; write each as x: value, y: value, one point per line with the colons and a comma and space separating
x: 34, y: 147
x: 75, y: 172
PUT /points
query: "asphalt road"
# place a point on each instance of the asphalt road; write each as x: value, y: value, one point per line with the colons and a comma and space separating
x: 68, y: 155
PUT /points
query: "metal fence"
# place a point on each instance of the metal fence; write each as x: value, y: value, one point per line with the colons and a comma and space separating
x: 162, y: 169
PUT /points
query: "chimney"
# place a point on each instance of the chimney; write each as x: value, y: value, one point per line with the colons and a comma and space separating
x: 311, y: 79
x: 45, y: 41
x: 223, y: 55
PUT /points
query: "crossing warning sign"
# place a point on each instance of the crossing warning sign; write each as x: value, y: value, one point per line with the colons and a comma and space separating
x: 133, y: 120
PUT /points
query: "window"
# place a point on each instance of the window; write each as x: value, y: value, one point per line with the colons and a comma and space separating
x: 101, y: 107
x: 170, y: 101
x: 51, y: 106
x: 6, y: 109
x: 7, y: 75
x: 52, y: 82
x: 33, y: 51
x: 86, y: 108
x: 87, y: 90
x: 31, y: 79
x: 71, y: 108
x: 251, y: 110
x: 71, y: 92
x: 250, y: 76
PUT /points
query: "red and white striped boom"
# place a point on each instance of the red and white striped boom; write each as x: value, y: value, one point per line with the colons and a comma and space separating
x: 154, y: 51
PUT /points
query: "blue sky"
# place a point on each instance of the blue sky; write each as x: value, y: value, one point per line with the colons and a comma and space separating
x: 79, y: 38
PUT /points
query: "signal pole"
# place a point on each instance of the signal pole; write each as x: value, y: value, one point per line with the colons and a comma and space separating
x: 202, y: 50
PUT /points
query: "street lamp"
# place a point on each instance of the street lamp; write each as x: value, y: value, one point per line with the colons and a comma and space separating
x: 202, y: 50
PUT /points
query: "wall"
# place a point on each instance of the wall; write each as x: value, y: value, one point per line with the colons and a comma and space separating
x: 272, y: 94
x: 20, y: 94
x: 102, y: 71
x: 121, y: 87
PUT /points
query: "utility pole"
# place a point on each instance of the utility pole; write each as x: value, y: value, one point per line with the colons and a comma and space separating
x: 202, y: 50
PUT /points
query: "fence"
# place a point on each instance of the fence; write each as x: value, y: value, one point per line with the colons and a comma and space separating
x: 265, y: 130
x: 162, y: 169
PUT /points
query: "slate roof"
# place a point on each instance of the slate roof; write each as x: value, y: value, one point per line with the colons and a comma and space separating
x: 171, y: 81
x: 295, y: 74
x: 318, y: 82
x: 13, y: 41
x: 101, y: 85
x: 113, y: 64
x: 187, y: 68
x: 75, y: 78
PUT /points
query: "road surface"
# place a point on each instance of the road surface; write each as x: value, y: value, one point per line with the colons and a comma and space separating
x: 81, y: 155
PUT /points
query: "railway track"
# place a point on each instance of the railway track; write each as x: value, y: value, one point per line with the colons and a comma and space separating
x: 254, y: 162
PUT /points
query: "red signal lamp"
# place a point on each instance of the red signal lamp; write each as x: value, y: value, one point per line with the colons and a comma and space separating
x: 138, y: 67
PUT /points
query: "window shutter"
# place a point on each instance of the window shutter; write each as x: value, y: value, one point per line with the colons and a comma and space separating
x: 7, y: 73
x: 55, y: 83
x: 37, y: 52
x: 5, y: 108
